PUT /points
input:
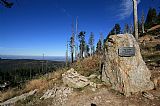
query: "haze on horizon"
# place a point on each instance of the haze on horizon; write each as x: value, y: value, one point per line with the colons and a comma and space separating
x: 34, y: 27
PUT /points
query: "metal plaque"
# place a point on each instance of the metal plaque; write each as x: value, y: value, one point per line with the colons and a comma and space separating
x: 126, y: 51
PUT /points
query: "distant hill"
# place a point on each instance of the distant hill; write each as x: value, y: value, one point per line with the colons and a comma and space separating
x: 19, y: 70
x: 52, y: 58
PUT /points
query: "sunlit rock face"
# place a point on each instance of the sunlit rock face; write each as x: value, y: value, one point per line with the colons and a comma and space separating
x: 127, y: 74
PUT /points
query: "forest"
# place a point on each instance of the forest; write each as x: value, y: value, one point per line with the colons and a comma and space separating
x: 15, y: 71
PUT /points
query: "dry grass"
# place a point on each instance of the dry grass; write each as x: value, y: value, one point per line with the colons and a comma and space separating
x: 42, y: 83
x: 8, y: 94
x: 36, y: 84
x: 87, y: 66
x: 46, y: 81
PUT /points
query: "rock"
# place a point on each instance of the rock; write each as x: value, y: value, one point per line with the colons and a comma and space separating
x: 17, y: 98
x: 99, y: 76
x: 92, y: 76
x: 147, y: 95
x: 93, y: 89
x: 57, y: 92
x: 156, y: 82
x: 74, y: 80
x: 99, y: 85
x: 126, y: 74
x: 59, y: 95
x: 92, y: 84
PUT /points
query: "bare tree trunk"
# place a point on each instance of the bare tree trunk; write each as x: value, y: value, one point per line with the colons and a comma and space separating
x: 67, y: 55
x: 72, y: 57
x: 142, y: 21
x: 135, y: 19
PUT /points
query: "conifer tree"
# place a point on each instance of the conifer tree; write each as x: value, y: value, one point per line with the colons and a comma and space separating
x: 151, y: 18
x: 112, y: 32
x: 99, y: 47
x: 81, y: 37
x: 117, y: 29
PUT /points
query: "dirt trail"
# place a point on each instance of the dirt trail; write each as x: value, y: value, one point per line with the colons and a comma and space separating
x: 105, y: 97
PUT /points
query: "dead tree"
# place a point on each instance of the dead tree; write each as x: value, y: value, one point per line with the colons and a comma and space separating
x: 72, y: 41
x: 67, y: 55
x: 135, y: 19
x: 142, y: 21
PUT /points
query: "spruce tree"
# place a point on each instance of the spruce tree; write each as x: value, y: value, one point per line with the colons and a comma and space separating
x: 151, y: 18
x: 117, y: 29
x: 99, y: 47
x: 81, y: 37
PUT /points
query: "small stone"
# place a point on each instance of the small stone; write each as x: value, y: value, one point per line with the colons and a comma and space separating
x: 95, y: 98
x: 99, y: 77
x: 92, y: 76
x: 108, y: 101
x: 93, y: 84
x: 99, y: 85
x: 99, y: 97
x: 93, y: 89
x: 147, y: 95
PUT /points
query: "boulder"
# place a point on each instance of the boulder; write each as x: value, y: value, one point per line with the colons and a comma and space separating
x: 74, y: 80
x: 125, y: 70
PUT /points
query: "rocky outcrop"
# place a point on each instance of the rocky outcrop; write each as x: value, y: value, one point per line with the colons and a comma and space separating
x: 127, y: 74
x: 74, y: 80
x: 17, y: 98
x: 59, y: 95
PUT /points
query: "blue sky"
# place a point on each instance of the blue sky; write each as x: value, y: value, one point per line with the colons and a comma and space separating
x: 34, y: 27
